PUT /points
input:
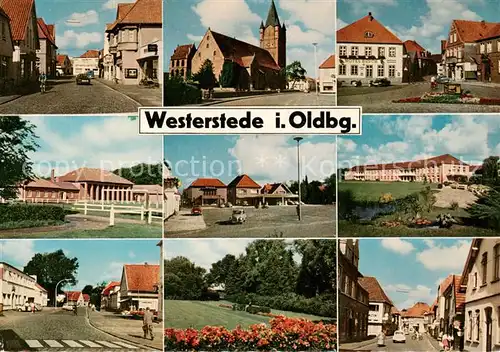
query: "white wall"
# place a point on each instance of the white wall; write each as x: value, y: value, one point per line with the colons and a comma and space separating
x: 327, y: 80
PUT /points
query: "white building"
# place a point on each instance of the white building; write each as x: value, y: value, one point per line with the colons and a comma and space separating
x: 327, y: 76
x: 150, y: 60
x: 366, y: 51
x: 380, y: 305
x: 172, y: 196
x: 89, y: 61
x: 18, y: 288
x: 302, y: 85
x: 481, y: 276
x: 139, y: 286
x: 110, y: 296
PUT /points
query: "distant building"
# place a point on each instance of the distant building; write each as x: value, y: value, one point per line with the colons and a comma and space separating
x: 88, y: 61
x: 380, y: 314
x: 110, y: 296
x: 244, y: 191
x: 64, y: 66
x: 327, y: 76
x: 304, y: 85
x: 46, y: 55
x: 206, y: 191
x: 414, y: 319
x: 417, y: 63
x: 77, y: 298
x: 139, y: 286
x: 277, y: 194
x: 181, y: 60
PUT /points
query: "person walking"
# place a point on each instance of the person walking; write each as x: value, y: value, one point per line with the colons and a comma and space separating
x: 32, y: 308
x: 147, y: 324
x: 43, y: 81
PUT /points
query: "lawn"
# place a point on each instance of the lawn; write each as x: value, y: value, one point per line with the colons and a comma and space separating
x: 371, y: 191
x: 198, y: 314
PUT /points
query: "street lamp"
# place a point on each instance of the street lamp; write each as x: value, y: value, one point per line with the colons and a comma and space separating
x: 299, y: 209
x: 55, y: 297
x: 316, y: 78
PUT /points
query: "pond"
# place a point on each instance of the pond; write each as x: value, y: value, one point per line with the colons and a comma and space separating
x: 368, y: 213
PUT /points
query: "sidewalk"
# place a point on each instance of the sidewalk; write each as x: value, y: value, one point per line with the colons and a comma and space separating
x: 6, y: 98
x: 126, y: 329
x: 357, y: 345
x: 184, y: 222
x: 147, y: 97
x: 434, y: 343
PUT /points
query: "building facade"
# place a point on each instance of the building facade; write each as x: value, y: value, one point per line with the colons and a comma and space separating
x: 7, y: 73
x: 417, y: 62
x: 353, y: 298
x: 88, y: 61
x: 277, y: 194
x: 415, y: 318
x: 139, y: 286
x: 110, y: 296
x: 181, y: 61
x: 367, y: 50
x: 17, y: 288
x: 172, y: 196
x: 242, y: 190
x: 489, y: 56
x: 206, y: 191
x: 64, y: 66
x: 327, y: 76
x: 437, y: 169
x: 380, y: 307
x: 47, y: 54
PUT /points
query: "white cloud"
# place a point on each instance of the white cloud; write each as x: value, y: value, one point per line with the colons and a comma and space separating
x: 80, y: 40
x: 81, y: 19
x: 112, y: 273
x: 113, y: 4
x: 305, y: 55
x: 17, y: 252
x: 398, y: 245
x: 194, y: 38
x: 362, y: 7
x: 297, y: 37
x: 440, y: 257
x: 316, y: 15
x: 406, y: 296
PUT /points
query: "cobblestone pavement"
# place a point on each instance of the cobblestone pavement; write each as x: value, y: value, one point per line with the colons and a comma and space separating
x: 379, y: 100
x: 283, y: 99
x: 147, y: 97
x: 409, y: 346
x: 276, y: 221
x: 64, y: 96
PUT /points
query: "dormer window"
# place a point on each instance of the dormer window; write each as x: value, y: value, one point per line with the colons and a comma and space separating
x: 369, y: 34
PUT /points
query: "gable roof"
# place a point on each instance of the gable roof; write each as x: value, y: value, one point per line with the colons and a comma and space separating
x: 355, y: 32
x: 243, y: 53
x: 90, y: 54
x: 471, y: 258
x: 141, y: 277
x: 417, y: 311
x: 437, y: 160
x: 40, y: 287
x: 329, y: 62
x: 61, y: 59
x: 182, y: 51
x: 44, y: 32
x: 111, y: 285
x: 207, y: 182
x: 243, y: 181
x: 140, y: 12
x: 375, y: 291
x: 73, y: 295
x: 84, y: 174
x: 270, y: 188
x: 41, y: 183
x: 459, y: 295
x: 413, y: 46
x: 494, y: 32
x: 19, y: 12
x: 471, y: 31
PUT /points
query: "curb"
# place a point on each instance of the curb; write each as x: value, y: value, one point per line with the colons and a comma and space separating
x: 120, y: 337
x: 359, y: 344
x: 12, y: 99
x: 243, y: 98
x: 116, y: 90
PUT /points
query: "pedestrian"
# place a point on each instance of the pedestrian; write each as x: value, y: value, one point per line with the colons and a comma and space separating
x: 32, y: 308
x: 147, y: 324
x: 445, y: 342
x: 433, y: 82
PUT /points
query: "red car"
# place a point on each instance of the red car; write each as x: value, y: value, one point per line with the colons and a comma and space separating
x: 196, y: 211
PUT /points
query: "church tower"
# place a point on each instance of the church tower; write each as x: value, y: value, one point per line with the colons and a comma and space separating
x: 273, y: 36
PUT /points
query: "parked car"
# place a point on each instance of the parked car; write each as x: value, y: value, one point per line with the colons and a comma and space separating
x: 27, y: 307
x: 196, y: 211
x: 82, y: 78
x: 380, y: 82
x: 239, y: 216
x: 399, y: 336
x: 90, y: 74
x: 443, y: 79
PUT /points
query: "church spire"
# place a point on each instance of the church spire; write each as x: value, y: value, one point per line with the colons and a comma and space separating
x: 272, y: 16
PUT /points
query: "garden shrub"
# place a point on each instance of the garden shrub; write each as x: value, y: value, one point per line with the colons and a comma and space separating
x: 486, y: 211
x: 31, y: 212
x: 178, y: 92
x: 386, y: 198
x: 258, y: 309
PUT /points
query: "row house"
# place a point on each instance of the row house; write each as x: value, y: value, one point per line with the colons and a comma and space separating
x: 327, y: 76
x: 88, y: 61
x: 437, y: 169
x: 64, y: 66
x: 171, y: 194
x: 110, y: 296
x: 133, y: 43
x: 139, y: 287
x: 181, y: 61
x: 353, y: 298
x: 7, y: 73
x: 243, y: 191
x: 489, y: 56
x: 47, y: 54
x: 77, y: 298
x: 461, y: 59
x: 414, y: 318
x: 380, y: 307
x: 418, y: 62
x: 367, y: 50
x: 18, y: 288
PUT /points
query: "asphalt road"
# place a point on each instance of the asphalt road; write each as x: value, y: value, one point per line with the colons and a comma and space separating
x: 379, y: 99
x: 284, y: 99
x: 64, y: 96
x: 55, y: 330
x: 276, y: 221
x: 409, y: 346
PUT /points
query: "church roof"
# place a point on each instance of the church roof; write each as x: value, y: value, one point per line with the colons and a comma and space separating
x: 272, y: 16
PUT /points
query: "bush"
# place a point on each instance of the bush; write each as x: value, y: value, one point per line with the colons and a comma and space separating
x: 178, y: 92
x: 31, y: 212
x: 386, y: 198
x: 454, y: 206
x: 486, y: 210
x: 210, y: 296
x: 258, y: 309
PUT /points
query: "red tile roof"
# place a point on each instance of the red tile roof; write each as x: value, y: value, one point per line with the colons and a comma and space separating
x: 270, y: 188
x: 141, y: 277
x: 243, y: 181
x: 328, y: 63
x: 434, y: 161
x: 443, y: 286
x: 19, y: 12
x: 140, y: 12
x: 417, y: 311
x: 86, y: 297
x: 494, y: 32
x: 183, y: 51
x: 44, y: 32
x: 411, y: 45
x: 207, y: 182
x: 459, y: 296
x: 471, y: 31
x: 90, y: 54
x: 40, y: 287
x: 61, y: 59
x: 73, y: 295
x: 367, y: 30
x: 41, y: 183
x: 85, y: 174
x: 109, y: 287
x: 375, y: 291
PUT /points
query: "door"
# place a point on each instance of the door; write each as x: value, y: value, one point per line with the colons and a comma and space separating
x: 489, y: 327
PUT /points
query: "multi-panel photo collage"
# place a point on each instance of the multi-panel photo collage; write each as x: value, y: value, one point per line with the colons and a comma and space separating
x: 250, y: 175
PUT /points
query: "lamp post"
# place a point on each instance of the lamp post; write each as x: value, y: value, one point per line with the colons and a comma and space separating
x: 299, y: 209
x: 55, y: 297
x: 316, y: 78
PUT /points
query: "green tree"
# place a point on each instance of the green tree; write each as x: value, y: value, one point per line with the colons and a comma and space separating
x: 183, y: 279
x: 17, y: 140
x: 295, y: 72
x: 490, y: 170
x: 205, y: 76
x: 236, y: 280
x: 95, y: 294
x: 229, y: 74
x: 142, y: 174
x: 88, y: 289
x: 486, y: 210
x: 50, y: 268
x: 221, y: 270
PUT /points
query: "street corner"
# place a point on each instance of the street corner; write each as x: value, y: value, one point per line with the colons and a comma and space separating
x: 216, y: 197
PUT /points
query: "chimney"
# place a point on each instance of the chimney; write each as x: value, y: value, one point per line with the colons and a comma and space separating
x: 370, y: 15
x: 146, y: 263
x: 52, y: 176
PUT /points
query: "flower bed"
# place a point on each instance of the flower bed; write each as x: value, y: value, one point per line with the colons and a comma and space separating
x: 443, y: 98
x: 284, y: 334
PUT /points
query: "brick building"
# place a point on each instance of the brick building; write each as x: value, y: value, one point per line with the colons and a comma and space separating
x: 277, y: 194
x: 206, y: 191
x: 243, y: 190
x: 46, y: 55
x: 64, y: 66
x: 418, y: 62
x: 488, y: 50
x: 181, y: 60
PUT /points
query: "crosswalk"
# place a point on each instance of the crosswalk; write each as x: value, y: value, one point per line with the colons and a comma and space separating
x: 81, y: 345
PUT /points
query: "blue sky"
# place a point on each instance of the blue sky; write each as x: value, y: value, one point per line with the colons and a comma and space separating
x: 79, y: 25
x: 108, y: 142
x: 265, y: 158
x: 410, y: 270
x: 100, y: 260
x: 308, y: 21
x: 385, y: 139
x: 425, y: 21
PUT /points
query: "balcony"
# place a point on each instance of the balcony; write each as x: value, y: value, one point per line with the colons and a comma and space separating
x: 127, y: 46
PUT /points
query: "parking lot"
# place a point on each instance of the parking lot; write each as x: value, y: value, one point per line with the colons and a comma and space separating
x: 276, y: 221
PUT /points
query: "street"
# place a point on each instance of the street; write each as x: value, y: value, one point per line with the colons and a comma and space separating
x: 282, y: 99
x: 64, y: 96
x: 409, y: 346
x: 379, y: 99
x: 276, y: 221
x: 56, y: 330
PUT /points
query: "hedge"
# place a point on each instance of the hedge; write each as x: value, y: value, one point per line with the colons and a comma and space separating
x: 177, y: 92
x: 24, y: 212
x: 251, y: 309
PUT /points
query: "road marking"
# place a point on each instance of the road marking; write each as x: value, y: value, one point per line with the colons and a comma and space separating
x: 123, y: 344
x: 33, y: 343
x: 108, y: 344
x: 89, y: 343
x: 72, y: 343
x: 53, y: 343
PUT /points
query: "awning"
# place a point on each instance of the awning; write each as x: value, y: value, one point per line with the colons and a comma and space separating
x: 153, y: 57
x: 126, y: 299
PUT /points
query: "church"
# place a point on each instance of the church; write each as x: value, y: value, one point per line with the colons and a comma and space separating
x: 258, y: 67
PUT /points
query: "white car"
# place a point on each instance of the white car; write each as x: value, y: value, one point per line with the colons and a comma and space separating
x: 399, y: 336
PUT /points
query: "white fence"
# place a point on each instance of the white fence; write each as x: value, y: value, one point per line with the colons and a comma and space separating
x: 115, y: 209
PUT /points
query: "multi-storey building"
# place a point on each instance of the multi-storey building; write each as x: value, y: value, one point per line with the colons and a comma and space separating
x: 181, y: 60
x: 437, y: 169
x: 381, y: 307
x: 327, y: 76
x: 88, y: 61
x: 488, y: 50
x: 414, y: 318
x: 64, y: 66
x: 244, y: 191
x: 139, y: 286
x: 353, y: 298
x: 46, y: 55
x: 7, y: 73
x: 367, y: 50
x: 206, y: 191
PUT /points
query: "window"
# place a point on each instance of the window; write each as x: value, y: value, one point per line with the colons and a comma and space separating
x: 342, y: 70
x: 496, y: 264
x: 381, y: 52
x: 374, y: 307
x: 210, y: 192
x: 489, y: 47
x: 475, y: 280
x: 454, y: 37
x: 215, y: 52
x: 208, y: 45
x: 478, y: 324
x: 484, y: 268
x: 451, y: 38
x: 342, y: 50
x: 354, y: 51
x: 354, y: 70
x: 498, y: 66
x: 392, y: 51
x: 392, y: 70
x: 368, y: 51
x: 369, y: 34
x: 369, y: 70
x: 380, y: 71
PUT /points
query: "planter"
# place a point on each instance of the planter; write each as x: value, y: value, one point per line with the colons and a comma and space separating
x: 442, y: 98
